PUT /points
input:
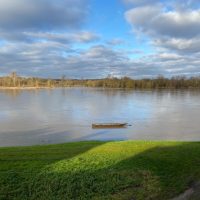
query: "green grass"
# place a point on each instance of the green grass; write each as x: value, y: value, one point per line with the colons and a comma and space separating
x: 99, y: 170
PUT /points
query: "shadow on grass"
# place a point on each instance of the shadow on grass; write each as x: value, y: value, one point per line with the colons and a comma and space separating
x: 113, y: 172
x: 19, y: 166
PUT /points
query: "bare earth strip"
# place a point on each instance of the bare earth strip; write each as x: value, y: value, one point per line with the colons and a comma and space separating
x: 190, y: 194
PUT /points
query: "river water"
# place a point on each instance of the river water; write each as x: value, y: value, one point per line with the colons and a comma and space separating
x: 29, y: 117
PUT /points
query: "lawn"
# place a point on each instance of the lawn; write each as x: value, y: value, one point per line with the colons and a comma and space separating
x: 129, y: 170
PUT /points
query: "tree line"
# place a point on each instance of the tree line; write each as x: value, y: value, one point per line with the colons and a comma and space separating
x: 178, y: 82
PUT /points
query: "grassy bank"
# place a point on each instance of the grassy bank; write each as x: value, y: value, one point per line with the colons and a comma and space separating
x: 99, y: 170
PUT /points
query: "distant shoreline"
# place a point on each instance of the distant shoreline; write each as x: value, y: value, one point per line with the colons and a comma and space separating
x: 82, y: 86
x: 25, y: 88
x: 17, y: 83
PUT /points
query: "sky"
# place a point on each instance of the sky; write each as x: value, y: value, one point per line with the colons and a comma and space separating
x: 97, y: 38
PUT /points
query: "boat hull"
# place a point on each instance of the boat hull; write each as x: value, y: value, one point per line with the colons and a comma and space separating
x: 109, y: 125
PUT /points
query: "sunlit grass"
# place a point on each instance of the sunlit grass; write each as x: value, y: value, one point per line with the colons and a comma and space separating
x: 99, y: 170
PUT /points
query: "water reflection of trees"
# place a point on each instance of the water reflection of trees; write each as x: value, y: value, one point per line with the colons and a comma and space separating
x: 12, y: 93
x: 17, y: 92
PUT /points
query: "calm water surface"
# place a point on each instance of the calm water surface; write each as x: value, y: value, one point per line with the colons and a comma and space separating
x: 30, y: 117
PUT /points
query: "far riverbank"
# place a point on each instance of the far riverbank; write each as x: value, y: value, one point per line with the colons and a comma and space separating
x: 25, y: 88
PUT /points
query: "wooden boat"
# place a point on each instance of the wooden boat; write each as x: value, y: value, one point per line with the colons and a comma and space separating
x: 109, y: 125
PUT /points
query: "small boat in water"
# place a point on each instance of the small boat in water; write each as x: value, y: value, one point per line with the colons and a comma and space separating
x: 109, y: 125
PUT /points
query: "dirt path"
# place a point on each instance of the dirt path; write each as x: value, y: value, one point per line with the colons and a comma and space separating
x: 190, y: 194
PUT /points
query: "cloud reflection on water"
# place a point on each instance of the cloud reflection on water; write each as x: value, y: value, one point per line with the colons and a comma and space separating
x: 60, y: 115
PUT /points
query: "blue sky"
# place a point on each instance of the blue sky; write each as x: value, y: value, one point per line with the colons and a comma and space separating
x: 93, y: 38
x: 107, y: 19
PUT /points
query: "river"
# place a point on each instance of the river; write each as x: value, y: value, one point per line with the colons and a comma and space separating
x: 29, y: 117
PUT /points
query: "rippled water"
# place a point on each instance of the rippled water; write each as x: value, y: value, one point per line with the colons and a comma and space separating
x: 30, y: 117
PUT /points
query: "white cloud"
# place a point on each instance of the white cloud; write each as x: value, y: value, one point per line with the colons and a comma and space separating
x: 155, y: 21
x: 141, y: 17
x: 53, y: 59
x: 43, y: 38
x: 174, y: 28
x: 116, y: 41
x: 41, y: 14
x: 81, y: 36
x: 140, y: 2
x: 182, y: 46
